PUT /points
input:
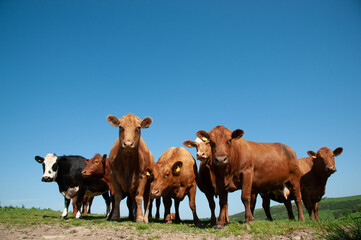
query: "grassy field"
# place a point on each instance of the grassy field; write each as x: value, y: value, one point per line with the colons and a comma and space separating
x: 13, y: 217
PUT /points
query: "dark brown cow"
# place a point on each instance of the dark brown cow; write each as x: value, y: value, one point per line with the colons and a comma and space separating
x: 252, y: 167
x: 174, y: 176
x: 129, y: 158
x: 316, y: 169
x: 204, y: 181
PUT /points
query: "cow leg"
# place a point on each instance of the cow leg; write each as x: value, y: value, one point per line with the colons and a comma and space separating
x: 150, y: 215
x: 90, y: 202
x: 246, y: 196
x: 111, y: 206
x: 148, y: 204
x: 79, y: 202
x: 157, y: 214
x: 212, y: 206
x: 227, y: 216
x: 298, y: 197
x: 266, y: 201
x: 316, y: 212
x: 64, y: 215
x: 117, y: 198
x: 139, y: 200
x: 288, y: 206
x: 192, y: 204
x: 167, y: 201
x: 107, y: 202
x: 84, y: 209
x: 73, y: 202
x: 130, y: 206
x: 253, y: 201
x: 176, y: 206
x: 223, y: 204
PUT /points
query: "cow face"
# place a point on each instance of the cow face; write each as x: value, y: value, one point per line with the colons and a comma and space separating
x: 95, y: 167
x: 220, y: 139
x: 129, y: 130
x: 324, y: 159
x: 50, y: 167
x: 162, y: 177
x: 204, y: 150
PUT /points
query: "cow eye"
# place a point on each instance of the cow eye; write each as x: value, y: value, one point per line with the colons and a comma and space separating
x: 229, y: 141
x: 166, y: 175
x: 96, y: 162
x: 208, y: 143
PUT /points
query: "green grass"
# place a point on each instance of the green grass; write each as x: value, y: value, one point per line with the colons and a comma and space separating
x: 14, y: 217
x: 329, y: 209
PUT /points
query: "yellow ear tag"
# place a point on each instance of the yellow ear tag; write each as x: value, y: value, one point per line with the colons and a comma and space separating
x: 314, y: 156
x: 148, y: 174
x: 190, y: 146
x: 177, y: 169
x: 204, y: 139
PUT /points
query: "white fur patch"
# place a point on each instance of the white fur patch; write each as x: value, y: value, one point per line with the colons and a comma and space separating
x: 78, y: 215
x: 65, y: 213
x: 70, y: 192
x: 49, y: 161
x: 198, y: 140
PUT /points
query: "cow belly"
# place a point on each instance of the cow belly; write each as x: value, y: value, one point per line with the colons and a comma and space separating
x: 70, y: 192
x: 93, y: 194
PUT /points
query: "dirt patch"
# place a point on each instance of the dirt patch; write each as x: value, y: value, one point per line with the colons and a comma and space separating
x: 56, y: 232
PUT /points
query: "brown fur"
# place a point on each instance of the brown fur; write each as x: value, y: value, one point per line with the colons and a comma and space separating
x: 129, y: 158
x: 174, y: 176
x: 253, y: 167
x: 204, y: 181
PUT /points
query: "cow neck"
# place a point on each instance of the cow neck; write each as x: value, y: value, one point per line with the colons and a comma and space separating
x: 130, y: 160
x: 320, y: 175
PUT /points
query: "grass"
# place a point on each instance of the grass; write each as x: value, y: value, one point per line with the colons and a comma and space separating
x: 11, y: 217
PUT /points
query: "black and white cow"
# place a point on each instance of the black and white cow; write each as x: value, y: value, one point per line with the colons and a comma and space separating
x: 66, y: 171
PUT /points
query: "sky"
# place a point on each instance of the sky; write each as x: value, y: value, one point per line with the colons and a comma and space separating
x: 283, y: 71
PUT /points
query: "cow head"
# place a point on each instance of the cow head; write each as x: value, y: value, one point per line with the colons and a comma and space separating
x: 220, y: 139
x: 204, y: 151
x: 324, y: 159
x: 50, y: 167
x: 162, y: 177
x: 95, y: 167
x: 129, y: 130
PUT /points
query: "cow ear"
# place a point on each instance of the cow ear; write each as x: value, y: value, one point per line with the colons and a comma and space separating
x: 176, y: 169
x: 238, y: 133
x: 203, y: 135
x: 39, y: 159
x: 337, y: 151
x: 113, y: 120
x: 312, y: 154
x: 104, y: 158
x: 189, y: 144
x: 149, y: 174
x: 86, y: 161
x: 146, y: 122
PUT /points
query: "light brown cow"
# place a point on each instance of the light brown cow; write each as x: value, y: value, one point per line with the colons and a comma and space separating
x: 129, y: 158
x: 204, y: 181
x: 86, y: 205
x: 174, y: 176
x: 250, y: 166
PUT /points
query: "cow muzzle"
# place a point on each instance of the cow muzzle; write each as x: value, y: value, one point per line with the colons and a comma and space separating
x: 221, y: 160
x: 128, y: 145
x: 155, y: 194
x: 46, y: 179
x: 331, y: 170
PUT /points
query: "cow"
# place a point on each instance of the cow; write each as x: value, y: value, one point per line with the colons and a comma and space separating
x: 129, y: 158
x: 66, y: 172
x: 315, y: 171
x: 204, y: 181
x: 253, y: 167
x: 174, y: 176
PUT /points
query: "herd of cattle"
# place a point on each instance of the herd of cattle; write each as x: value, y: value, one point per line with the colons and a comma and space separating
x: 227, y: 163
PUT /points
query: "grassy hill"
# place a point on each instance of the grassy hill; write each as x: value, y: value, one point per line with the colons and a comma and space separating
x: 329, y: 208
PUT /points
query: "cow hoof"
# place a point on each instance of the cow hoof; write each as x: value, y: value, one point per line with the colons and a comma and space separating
x: 168, y: 222
x: 64, y: 217
x: 218, y: 226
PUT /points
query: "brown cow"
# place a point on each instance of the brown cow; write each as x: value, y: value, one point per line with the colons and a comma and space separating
x: 204, y: 181
x: 129, y: 158
x: 250, y: 166
x: 315, y: 171
x: 174, y: 176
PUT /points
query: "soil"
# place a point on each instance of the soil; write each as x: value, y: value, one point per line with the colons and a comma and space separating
x: 84, y: 233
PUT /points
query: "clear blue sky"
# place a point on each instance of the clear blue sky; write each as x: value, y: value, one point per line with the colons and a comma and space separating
x: 283, y: 71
